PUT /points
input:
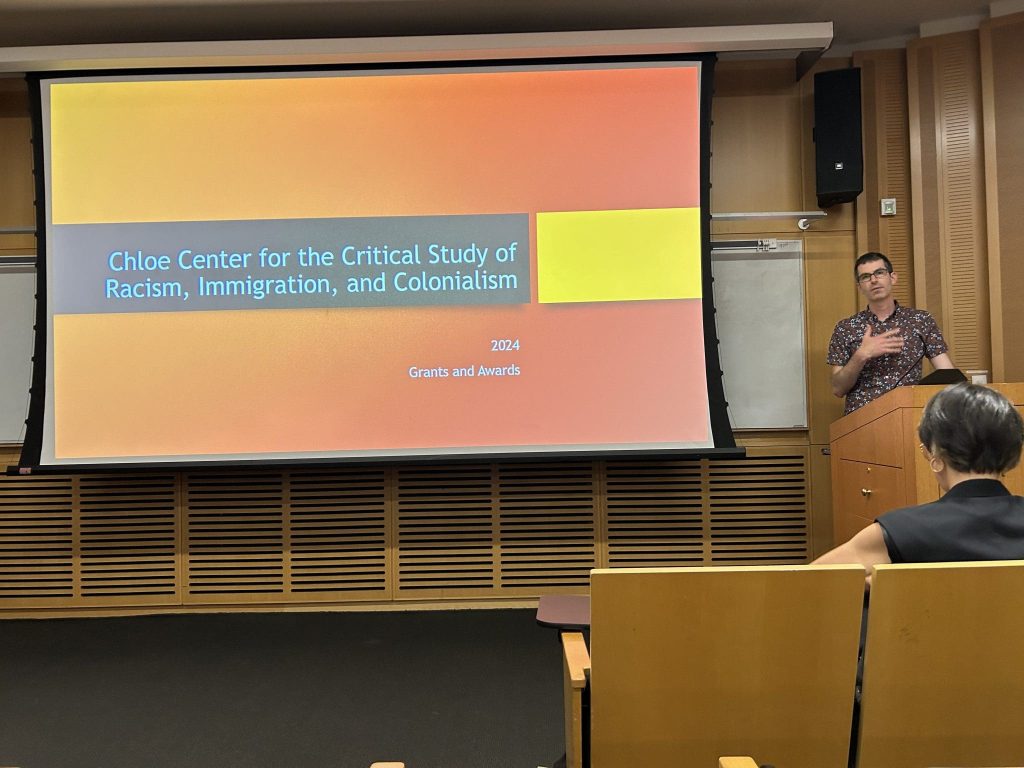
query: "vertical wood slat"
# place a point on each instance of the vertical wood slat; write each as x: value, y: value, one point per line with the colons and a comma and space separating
x: 1002, y: 61
x: 924, y: 184
x: 886, y: 164
x: 350, y: 534
x: 951, y: 262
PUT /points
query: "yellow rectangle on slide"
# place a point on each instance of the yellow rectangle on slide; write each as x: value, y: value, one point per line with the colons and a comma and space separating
x: 630, y: 255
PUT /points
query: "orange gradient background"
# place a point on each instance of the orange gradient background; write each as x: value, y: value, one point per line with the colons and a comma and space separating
x: 323, y: 380
x: 392, y: 145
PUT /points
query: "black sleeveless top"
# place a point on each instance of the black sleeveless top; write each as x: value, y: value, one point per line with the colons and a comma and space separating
x: 975, y: 520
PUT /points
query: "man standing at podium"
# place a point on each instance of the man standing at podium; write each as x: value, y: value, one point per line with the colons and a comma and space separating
x: 883, y: 346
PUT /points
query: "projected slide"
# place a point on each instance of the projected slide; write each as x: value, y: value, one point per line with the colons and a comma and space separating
x: 374, y: 263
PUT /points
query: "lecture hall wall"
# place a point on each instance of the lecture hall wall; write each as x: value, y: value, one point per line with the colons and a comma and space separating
x: 944, y: 135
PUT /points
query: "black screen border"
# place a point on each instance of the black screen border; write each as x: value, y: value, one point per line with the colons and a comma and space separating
x: 721, y: 430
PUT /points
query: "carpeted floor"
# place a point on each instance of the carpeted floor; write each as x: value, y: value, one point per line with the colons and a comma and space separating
x: 436, y: 689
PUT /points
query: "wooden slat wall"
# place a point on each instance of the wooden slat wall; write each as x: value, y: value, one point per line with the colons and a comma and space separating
x: 446, y: 530
x: 758, y: 509
x: 127, y: 538
x: 37, y: 541
x: 338, y: 532
x: 1002, y: 62
x: 548, y: 525
x: 886, y: 165
x: 947, y: 160
x: 290, y: 536
x: 388, y: 533
x: 234, y: 537
x: 97, y: 540
x: 656, y: 514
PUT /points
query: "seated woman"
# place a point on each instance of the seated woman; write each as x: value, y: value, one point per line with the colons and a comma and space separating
x: 971, y: 436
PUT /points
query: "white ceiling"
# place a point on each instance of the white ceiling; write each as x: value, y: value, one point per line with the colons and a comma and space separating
x: 63, y: 22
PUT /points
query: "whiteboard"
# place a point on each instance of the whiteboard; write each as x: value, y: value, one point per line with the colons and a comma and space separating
x: 17, y: 316
x: 759, y: 315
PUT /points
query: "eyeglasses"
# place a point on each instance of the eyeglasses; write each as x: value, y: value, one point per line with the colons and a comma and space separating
x: 865, y: 277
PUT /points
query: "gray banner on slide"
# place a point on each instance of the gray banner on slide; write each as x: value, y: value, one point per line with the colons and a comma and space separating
x: 290, y: 263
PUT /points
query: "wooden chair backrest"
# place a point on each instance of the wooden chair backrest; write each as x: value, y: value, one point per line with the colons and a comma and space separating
x: 689, y: 664
x: 944, y: 666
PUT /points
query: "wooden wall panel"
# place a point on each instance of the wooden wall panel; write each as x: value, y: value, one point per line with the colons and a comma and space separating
x: 447, y: 526
x: 337, y: 532
x: 127, y: 535
x: 831, y: 295
x: 1002, y: 62
x: 387, y: 534
x: 37, y: 541
x: 886, y: 164
x: 924, y: 171
x: 303, y: 535
x: 234, y: 537
x: 549, y: 518
x: 819, y: 462
x: 947, y: 157
x: 762, y: 148
x: 757, y: 508
x: 656, y: 514
x: 756, y: 142
x: 89, y: 541
x: 17, y: 189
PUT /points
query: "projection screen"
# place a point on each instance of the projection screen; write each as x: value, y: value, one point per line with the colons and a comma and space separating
x: 374, y: 263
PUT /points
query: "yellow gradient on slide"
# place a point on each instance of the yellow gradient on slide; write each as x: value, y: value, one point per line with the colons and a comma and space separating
x: 628, y: 255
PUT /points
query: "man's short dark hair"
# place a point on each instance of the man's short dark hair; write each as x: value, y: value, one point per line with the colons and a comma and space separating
x: 973, y: 429
x: 864, y: 258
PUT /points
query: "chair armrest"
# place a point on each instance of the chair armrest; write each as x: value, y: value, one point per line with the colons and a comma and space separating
x: 575, y: 668
x: 577, y: 658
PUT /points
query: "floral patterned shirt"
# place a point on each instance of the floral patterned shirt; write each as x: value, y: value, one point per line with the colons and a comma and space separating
x: 921, y: 338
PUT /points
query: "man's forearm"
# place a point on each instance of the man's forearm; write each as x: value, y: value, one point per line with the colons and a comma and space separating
x: 846, y: 377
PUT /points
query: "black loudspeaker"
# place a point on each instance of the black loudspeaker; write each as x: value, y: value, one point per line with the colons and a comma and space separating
x: 838, y: 153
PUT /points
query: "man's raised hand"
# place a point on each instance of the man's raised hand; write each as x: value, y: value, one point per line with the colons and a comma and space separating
x: 887, y: 343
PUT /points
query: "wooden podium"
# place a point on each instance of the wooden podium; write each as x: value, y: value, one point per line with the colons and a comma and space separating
x: 876, y: 461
